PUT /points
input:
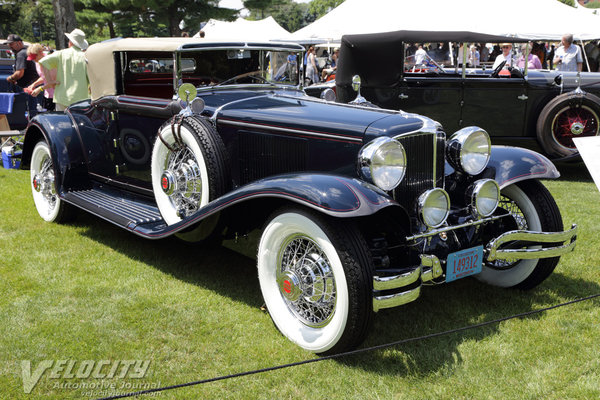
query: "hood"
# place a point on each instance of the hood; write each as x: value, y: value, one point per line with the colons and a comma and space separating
x: 314, y: 117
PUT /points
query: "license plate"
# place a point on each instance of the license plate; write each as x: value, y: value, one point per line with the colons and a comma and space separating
x: 464, y: 263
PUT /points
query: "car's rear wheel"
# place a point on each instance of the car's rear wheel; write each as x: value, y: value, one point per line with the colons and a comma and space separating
x: 534, y: 209
x: 189, y: 168
x: 315, y: 276
x: 566, y: 117
x: 43, y: 187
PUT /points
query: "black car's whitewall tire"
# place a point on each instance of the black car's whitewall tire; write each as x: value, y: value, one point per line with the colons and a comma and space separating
x: 534, y: 209
x: 43, y: 188
x: 315, y: 276
x: 189, y: 173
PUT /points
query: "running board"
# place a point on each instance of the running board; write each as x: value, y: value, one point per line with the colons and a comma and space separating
x: 112, y: 205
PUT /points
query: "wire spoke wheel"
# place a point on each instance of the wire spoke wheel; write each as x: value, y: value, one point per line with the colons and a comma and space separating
x: 306, y: 281
x: 571, y: 122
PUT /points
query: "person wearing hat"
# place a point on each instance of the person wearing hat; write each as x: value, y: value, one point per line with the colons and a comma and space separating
x: 71, y: 71
x: 25, y: 72
x: 505, y: 56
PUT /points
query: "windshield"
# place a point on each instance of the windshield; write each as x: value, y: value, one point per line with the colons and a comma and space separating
x: 241, y: 67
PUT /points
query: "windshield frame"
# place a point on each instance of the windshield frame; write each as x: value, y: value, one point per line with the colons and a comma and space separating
x: 271, y: 47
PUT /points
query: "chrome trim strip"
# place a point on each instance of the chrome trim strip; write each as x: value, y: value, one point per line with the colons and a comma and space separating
x: 494, y: 253
x: 434, y: 232
x: 530, y: 254
x: 289, y: 130
x: 396, y: 281
x: 220, y: 108
x: 395, y: 300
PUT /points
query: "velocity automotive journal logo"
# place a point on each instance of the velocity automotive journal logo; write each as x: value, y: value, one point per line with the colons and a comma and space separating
x: 87, y: 369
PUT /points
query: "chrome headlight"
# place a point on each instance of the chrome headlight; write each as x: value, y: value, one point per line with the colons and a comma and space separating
x: 469, y: 150
x: 484, y: 196
x: 382, y: 162
x: 434, y: 207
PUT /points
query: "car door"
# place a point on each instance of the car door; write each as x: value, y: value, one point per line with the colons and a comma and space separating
x: 437, y: 96
x: 496, y: 104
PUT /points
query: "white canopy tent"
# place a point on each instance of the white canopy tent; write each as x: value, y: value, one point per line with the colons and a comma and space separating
x: 264, y: 29
x: 530, y: 19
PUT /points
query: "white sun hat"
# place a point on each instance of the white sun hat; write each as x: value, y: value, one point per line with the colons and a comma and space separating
x: 77, y: 37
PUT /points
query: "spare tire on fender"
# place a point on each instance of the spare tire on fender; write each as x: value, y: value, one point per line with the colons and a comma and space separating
x: 567, y: 116
x: 189, y: 167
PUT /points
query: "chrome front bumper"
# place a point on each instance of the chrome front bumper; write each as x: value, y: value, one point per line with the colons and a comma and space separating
x: 528, y: 238
x: 431, y: 266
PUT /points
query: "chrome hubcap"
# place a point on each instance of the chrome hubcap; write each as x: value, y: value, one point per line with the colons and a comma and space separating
x: 182, y: 181
x: 577, y: 128
x: 43, y: 182
x: 306, y: 281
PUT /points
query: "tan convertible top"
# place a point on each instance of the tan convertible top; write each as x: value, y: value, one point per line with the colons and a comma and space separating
x: 101, y: 68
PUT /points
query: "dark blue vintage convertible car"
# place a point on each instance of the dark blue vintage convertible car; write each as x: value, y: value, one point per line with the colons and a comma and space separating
x: 538, y: 109
x: 357, y: 207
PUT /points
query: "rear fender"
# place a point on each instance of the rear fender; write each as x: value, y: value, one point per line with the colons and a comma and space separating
x: 333, y: 195
x: 58, y: 130
x: 510, y: 165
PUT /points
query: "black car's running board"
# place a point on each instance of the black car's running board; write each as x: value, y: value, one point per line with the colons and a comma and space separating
x: 116, y: 207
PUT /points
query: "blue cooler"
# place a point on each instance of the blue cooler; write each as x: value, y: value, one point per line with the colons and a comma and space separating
x: 11, y: 159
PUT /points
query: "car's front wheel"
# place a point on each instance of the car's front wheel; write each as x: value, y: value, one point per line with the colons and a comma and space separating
x: 43, y: 188
x: 315, y: 276
x: 533, y: 208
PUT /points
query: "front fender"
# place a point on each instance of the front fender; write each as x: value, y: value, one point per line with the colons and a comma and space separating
x: 58, y: 130
x: 330, y: 194
x: 510, y: 165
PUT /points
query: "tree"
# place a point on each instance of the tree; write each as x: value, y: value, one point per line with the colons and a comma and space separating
x: 568, y: 2
x: 321, y: 7
x: 64, y: 21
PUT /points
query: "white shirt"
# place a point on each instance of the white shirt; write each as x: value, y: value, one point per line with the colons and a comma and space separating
x: 569, y: 58
x: 420, y: 56
x: 501, y: 58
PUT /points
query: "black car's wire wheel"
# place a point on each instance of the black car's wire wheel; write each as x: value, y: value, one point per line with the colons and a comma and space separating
x: 189, y: 167
x: 315, y: 276
x: 43, y: 186
x: 566, y: 117
x: 534, y: 209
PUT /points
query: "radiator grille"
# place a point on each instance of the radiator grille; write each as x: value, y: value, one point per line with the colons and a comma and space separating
x: 425, y: 156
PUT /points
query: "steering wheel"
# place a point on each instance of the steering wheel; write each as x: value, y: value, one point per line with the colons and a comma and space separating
x: 497, y: 70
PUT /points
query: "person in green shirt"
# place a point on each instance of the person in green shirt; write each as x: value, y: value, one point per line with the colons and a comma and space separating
x: 71, y: 71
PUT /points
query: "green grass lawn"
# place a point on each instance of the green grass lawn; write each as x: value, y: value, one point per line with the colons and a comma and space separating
x: 91, y: 291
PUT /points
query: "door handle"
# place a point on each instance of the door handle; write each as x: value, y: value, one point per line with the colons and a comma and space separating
x: 522, y: 97
x: 403, y: 96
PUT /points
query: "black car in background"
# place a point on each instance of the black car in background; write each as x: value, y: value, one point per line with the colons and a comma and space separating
x: 538, y: 109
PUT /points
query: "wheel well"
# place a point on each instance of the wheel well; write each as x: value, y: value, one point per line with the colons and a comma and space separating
x: 33, y: 135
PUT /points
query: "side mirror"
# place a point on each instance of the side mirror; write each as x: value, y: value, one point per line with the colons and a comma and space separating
x: 356, y: 83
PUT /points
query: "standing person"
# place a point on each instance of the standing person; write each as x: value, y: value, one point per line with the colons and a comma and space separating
x: 474, y: 56
x: 70, y: 64
x: 505, y: 56
x: 420, y: 56
x: 312, y: 71
x: 46, y: 81
x: 568, y: 56
x: 25, y: 72
x: 533, y: 61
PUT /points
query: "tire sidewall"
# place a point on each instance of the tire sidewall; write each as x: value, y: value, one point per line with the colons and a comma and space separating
x: 524, y: 268
x: 277, y: 230
x: 40, y: 152
x: 159, y: 156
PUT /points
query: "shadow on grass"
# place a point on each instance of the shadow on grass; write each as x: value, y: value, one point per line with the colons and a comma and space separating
x: 440, y: 308
x: 574, y: 172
